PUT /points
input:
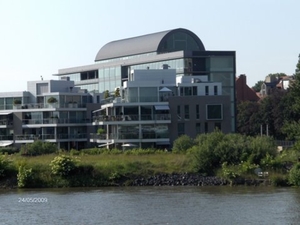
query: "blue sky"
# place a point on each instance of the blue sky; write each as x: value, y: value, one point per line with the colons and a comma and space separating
x: 38, y: 37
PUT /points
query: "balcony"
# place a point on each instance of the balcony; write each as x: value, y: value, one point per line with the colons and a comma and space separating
x: 49, y: 136
x: 129, y: 135
x: 54, y: 121
x: 41, y: 106
x: 6, y: 137
x: 132, y: 117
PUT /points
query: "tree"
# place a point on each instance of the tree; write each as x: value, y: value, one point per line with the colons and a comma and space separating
x: 248, y: 118
x: 117, y: 92
x: 257, y: 86
x: 277, y: 75
x: 106, y: 94
x: 292, y: 110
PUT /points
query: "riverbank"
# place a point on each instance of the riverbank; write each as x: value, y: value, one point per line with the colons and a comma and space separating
x: 131, y: 168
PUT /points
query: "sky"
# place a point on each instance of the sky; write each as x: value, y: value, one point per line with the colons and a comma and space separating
x: 39, y: 37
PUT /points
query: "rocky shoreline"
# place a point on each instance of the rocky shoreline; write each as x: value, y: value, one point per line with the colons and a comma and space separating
x: 179, y: 180
x: 186, y: 179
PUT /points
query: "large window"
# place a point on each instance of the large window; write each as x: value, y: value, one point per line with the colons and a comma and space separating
x: 214, y: 112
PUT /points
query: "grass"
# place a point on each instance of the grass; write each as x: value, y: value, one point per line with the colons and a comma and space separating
x: 121, y: 163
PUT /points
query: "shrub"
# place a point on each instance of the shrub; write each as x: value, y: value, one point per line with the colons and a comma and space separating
x: 261, y: 146
x: 74, y: 152
x: 294, y: 176
x: 24, y: 177
x: 63, y: 165
x: 38, y: 148
x: 4, y: 166
x: 279, y: 180
x: 182, y: 144
x: 52, y: 100
x: 9, y: 150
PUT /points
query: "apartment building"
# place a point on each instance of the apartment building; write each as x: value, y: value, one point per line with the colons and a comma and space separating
x: 54, y: 111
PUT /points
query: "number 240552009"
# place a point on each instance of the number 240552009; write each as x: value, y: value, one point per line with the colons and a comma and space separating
x: 33, y: 200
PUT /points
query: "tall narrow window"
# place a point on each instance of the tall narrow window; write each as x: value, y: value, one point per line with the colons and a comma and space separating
x: 197, y: 112
x: 205, y: 127
x: 186, y: 112
x: 206, y: 90
x: 198, y: 128
x: 195, y: 91
x: 178, y: 113
x: 215, y: 90
x: 218, y: 126
x: 180, y: 129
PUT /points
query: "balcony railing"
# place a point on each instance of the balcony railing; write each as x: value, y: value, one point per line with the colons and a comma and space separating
x: 49, y: 136
x: 42, y: 106
x: 130, y: 135
x: 6, y: 137
x: 6, y: 122
x: 134, y: 117
x: 55, y: 121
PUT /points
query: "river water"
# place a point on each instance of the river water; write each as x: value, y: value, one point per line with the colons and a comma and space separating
x: 151, y: 205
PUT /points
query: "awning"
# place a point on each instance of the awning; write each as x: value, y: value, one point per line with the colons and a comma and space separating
x: 165, y: 89
x: 5, y: 143
x: 162, y: 107
x: 98, y: 110
x: 5, y: 113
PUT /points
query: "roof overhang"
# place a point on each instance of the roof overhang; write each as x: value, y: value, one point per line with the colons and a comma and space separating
x: 5, y: 113
x: 162, y: 107
x: 5, y: 143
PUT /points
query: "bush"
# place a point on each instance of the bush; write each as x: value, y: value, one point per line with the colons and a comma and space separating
x: 182, y: 144
x: 279, y: 180
x: 294, y: 176
x: 25, y: 177
x: 9, y: 150
x: 261, y: 146
x: 5, y: 166
x: 63, y: 165
x: 38, y: 148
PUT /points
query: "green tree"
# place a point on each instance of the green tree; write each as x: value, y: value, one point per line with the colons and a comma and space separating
x: 277, y: 75
x: 248, y: 118
x: 106, y: 94
x: 117, y: 92
x: 292, y: 110
x: 294, y: 176
x: 257, y: 86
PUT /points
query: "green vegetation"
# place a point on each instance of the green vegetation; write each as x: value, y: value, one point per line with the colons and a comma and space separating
x: 278, y: 113
x: 229, y: 156
x: 52, y: 100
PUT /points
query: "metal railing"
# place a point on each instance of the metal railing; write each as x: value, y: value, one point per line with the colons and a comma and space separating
x: 129, y: 135
x: 49, y: 136
x: 54, y: 121
x: 42, y: 106
x: 131, y: 117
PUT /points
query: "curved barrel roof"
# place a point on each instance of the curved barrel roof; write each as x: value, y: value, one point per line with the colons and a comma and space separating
x: 155, y: 42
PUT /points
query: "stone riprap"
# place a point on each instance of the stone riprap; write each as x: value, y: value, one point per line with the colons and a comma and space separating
x: 179, y: 180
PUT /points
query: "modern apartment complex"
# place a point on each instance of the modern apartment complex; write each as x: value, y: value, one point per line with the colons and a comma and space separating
x: 53, y: 111
x: 156, y: 106
x: 167, y: 83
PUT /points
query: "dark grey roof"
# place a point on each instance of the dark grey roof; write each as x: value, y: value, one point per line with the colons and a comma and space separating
x: 142, y: 44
